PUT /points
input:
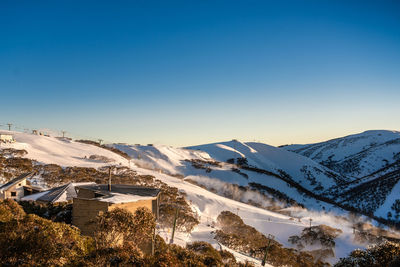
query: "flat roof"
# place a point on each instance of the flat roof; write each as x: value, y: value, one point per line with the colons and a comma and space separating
x: 122, y: 189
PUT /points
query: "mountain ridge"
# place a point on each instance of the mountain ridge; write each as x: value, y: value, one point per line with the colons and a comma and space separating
x: 371, y: 160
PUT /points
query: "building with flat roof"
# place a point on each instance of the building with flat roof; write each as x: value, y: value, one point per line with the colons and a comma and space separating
x: 95, y: 198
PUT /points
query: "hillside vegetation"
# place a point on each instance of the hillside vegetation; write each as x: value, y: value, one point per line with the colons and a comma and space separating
x: 29, y: 240
x: 235, y: 234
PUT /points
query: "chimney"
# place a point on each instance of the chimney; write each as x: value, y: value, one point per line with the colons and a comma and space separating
x: 109, y: 179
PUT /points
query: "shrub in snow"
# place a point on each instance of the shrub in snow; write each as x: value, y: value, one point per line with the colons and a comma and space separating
x: 12, y: 152
x: 235, y: 234
x: 321, y: 234
x: 113, y: 149
x: 11, y: 167
x: 385, y: 254
x: 119, y: 226
x: 170, y: 200
x: 101, y: 158
x: 396, y: 208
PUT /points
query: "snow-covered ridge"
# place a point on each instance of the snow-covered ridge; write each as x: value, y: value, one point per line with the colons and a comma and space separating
x: 161, y: 160
x: 60, y: 151
x: 372, y: 160
x: 160, y: 157
x: 355, y: 155
x: 273, y: 159
x: 269, y: 166
x: 360, y: 158
x: 302, y: 170
x: 262, y: 156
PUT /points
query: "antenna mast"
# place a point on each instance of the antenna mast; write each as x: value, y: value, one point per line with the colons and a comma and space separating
x: 109, y: 178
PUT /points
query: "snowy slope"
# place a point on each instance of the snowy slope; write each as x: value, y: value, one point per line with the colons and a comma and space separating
x: 387, y: 205
x: 172, y: 160
x: 208, y: 205
x: 61, y: 151
x: 160, y: 157
x: 372, y: 160
x: 280, y: 165
x: 355, y: 155
x: 273, y: 159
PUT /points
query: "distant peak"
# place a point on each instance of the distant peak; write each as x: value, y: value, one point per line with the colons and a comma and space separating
x: 379, y: 131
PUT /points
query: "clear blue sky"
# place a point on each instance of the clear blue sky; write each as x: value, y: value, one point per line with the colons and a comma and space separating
x: 192, y: 72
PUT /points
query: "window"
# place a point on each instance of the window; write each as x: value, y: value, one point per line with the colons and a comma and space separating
x: 13, y: 194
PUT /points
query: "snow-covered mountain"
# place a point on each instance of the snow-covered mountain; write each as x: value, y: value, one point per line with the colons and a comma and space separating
x: 61, y: 151
x: 372, y: 161
x: 246, y: 164
x: 254, y: 165
x: 355, y: 155
x: 360, y: 171
x: 300, y: 169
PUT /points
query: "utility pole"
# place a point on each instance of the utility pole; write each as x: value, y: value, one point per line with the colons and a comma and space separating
x: 9, y: 126
x: 174, y: 227
x: 63, y: 133
x: 153, y: 241
x: 270, y: 237
x: 109, y: 178
x: 310, y: 222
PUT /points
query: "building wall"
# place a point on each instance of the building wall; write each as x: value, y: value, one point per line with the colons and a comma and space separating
x: 84, y: 211
x: 17, y: 188
x: 133, y: 206
x: 85, y: 193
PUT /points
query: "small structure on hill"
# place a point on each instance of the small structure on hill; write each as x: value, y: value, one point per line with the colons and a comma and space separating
x: 63, y: 193
x: 6, y: 138
x: 18, y: 187
x: 96, y: 198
